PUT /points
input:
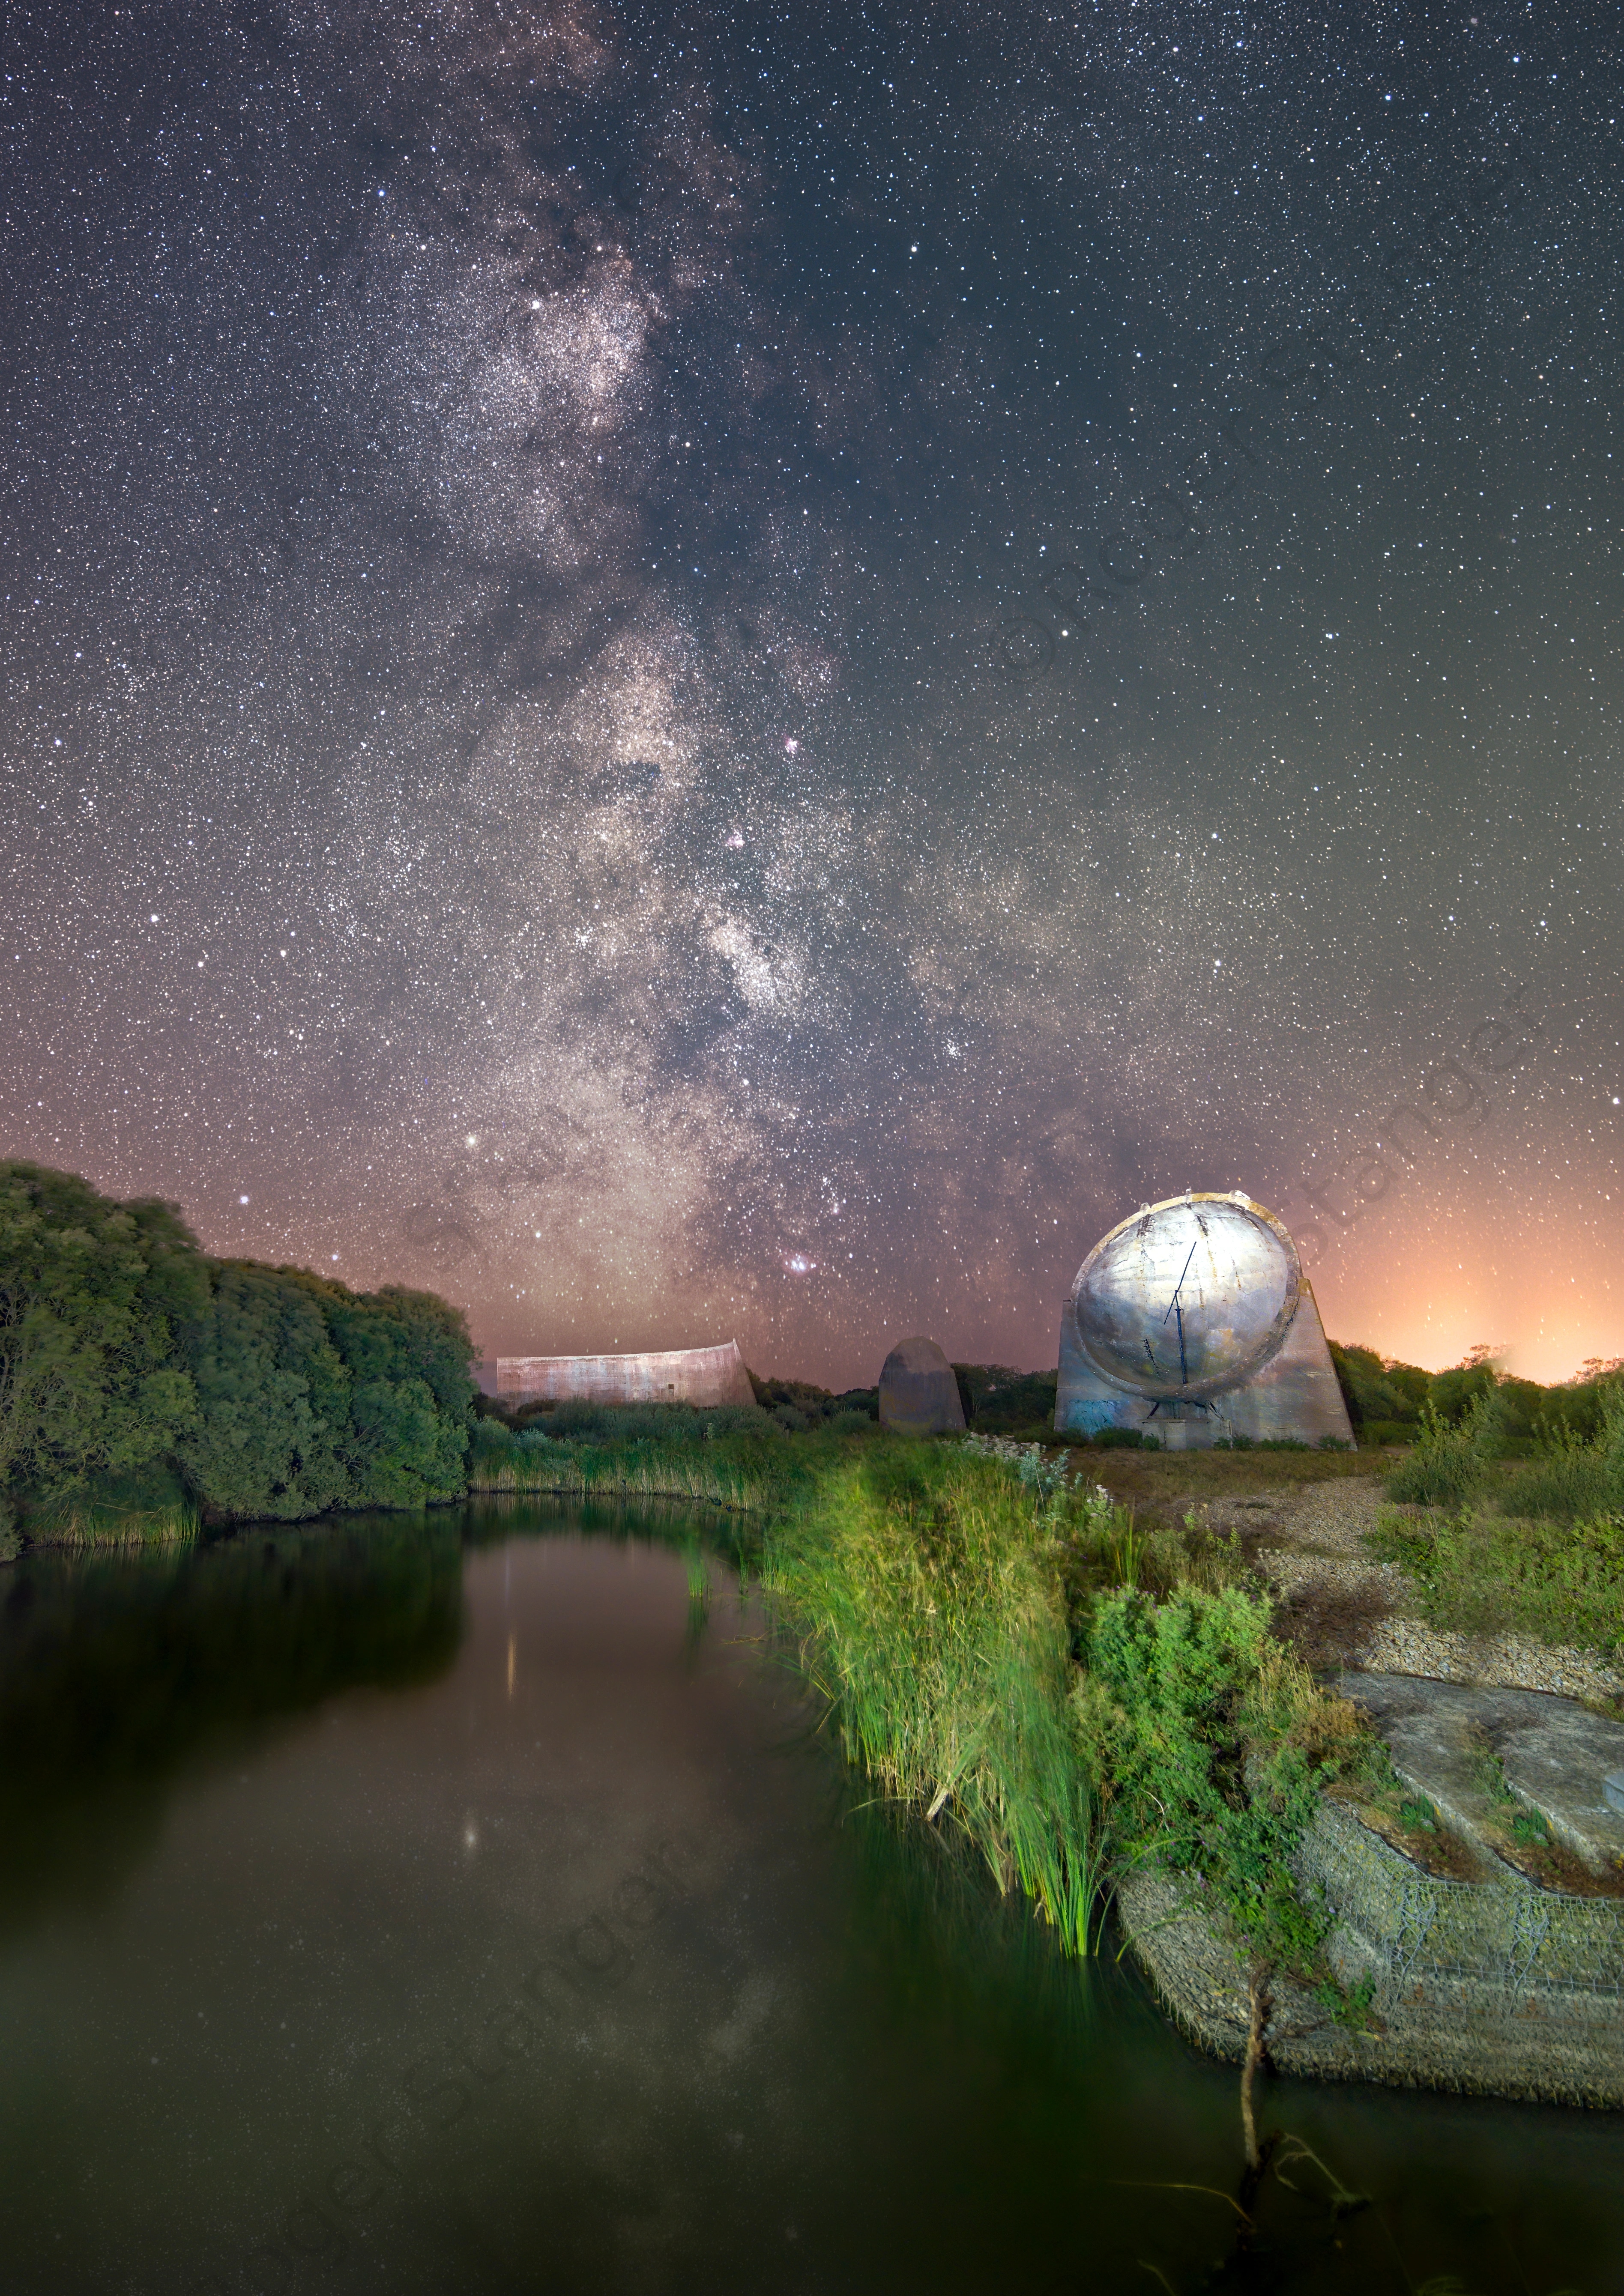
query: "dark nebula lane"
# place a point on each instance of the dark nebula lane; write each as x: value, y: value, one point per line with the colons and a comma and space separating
x: 741, y: 671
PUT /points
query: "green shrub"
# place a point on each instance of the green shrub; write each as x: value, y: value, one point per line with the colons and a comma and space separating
x: 1211, y: 1741
x: 1455, y: 1392
x: 995, y: 1397
x: 1378, y: 1391
x: 736, y: 1419
x: 577, y: 1421
x: 1448, y: 1462
x: 811, y: 1402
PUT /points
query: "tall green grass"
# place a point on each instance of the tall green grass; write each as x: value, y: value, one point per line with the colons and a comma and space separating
x: 152, y: 1508
x: 924, y: 1587
x: 665, y: 1459
x: 1483, y: 1573
x: 635, y: 1470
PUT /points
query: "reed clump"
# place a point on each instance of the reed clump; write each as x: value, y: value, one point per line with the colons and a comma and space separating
x: 733, y: 1456
x: 924, y: 1585
x: 152, y: 1508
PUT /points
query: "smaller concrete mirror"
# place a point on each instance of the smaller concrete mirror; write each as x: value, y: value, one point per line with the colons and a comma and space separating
x: 919, y: 1392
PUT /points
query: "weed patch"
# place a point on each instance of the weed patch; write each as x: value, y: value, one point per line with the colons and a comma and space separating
x: 1449, y: 1460
x: 1214, y: 1745
x: 1483, y: 1573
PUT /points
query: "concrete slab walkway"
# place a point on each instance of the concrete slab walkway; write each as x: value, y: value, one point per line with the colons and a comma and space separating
x: 1477, y: 1752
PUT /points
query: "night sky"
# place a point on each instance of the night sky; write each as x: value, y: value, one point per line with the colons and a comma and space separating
x: 704, y: 673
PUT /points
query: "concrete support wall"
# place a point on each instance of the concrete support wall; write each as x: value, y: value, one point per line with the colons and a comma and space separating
x: 705, y: 1376
x: 1297, y: 1392
x: 1497, y: 1989
x: 1085, y: 1401
x: 919, y: 1390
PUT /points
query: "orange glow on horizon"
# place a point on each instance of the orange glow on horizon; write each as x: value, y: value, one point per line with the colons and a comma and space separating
x: 1541, y: 1304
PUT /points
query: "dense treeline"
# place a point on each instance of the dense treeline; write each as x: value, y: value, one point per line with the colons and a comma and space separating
x: 138, y: 1375
x: 1389, y: 1401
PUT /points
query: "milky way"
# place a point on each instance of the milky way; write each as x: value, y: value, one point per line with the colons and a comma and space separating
x: 745, y: 674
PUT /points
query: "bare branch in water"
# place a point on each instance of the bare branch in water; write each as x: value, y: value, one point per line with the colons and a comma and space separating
x: 1258, y: 1989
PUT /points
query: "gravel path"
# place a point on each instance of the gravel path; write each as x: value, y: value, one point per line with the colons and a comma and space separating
x: 1400, y: 1645
x: 1312, y: 1551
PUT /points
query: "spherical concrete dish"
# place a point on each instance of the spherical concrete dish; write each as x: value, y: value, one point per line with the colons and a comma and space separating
x: 1188, y: 1299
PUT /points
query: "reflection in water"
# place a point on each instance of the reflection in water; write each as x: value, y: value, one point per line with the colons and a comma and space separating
x: 499, y: 1918
x: 116, y: 1670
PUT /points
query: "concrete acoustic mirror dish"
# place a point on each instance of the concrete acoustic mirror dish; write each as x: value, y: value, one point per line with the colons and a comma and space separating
x: 1188, y: 1298
x: 919, y: 1390
x: 1193, y: 1322
x: 702, y: 1376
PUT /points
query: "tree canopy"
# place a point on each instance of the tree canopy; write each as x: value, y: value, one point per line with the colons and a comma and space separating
x: 272, y: 1391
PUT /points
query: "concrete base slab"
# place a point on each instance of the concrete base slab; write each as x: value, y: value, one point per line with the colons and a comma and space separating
x: 1497, y: 1989
x: 1554, y: 1756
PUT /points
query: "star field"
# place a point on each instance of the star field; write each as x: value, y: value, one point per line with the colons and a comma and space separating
x: 743, y: 673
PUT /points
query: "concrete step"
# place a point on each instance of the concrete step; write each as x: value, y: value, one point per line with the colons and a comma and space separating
x: 1454, y: 1744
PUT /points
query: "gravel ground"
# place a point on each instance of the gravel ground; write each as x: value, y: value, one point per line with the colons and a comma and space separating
x: 1400, y: 1645
x: 1310, y: 1548
x: 1328, y: 1519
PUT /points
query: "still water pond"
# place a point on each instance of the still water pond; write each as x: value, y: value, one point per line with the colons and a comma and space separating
x: 466, y: 1903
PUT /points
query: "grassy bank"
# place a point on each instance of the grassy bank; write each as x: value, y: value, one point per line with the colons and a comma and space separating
x: 638, y: 1471
x: 149, y: 1508
x: 1482, y: 1572
x: 1534, y: 1548
x: 926, y: 1592
x: 734, y: 1458
x: 1004, y: 1650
